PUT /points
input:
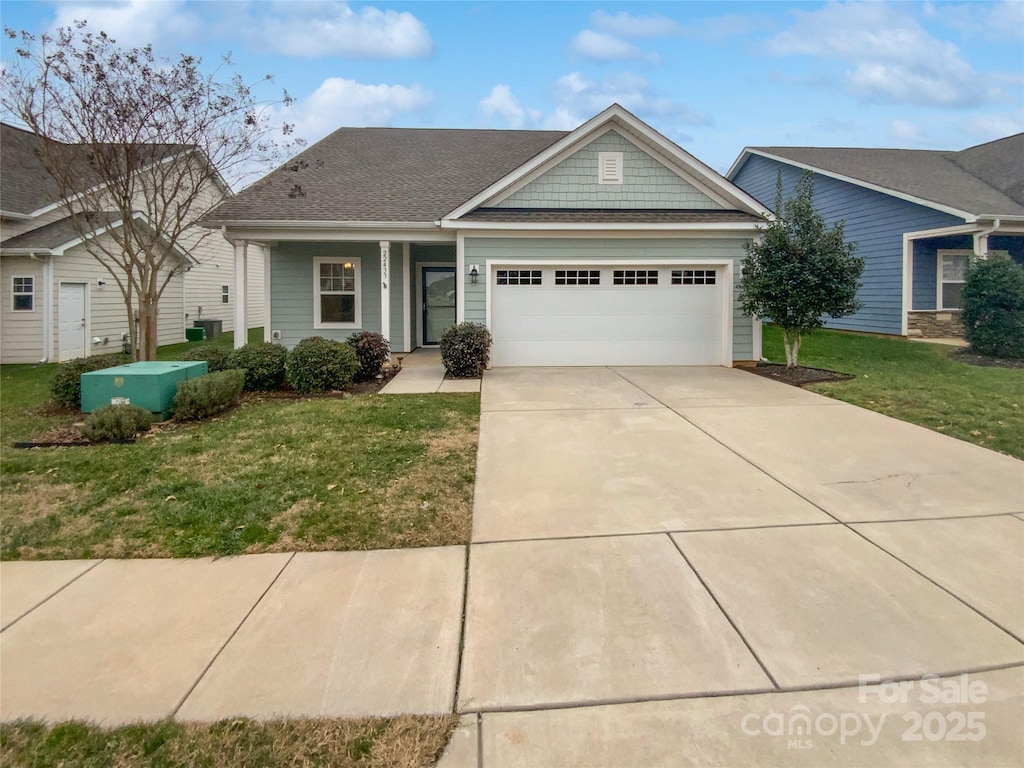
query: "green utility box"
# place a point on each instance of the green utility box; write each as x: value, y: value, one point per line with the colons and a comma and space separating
x: 150, y: 385
x: 195, y: 334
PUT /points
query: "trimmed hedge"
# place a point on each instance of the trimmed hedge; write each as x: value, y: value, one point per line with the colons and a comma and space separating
x: 465, y: 350
x: 263, y: 363
x: 216, y: 358
x: 66, y: 386
x: 206, y: 395
x: 993, y: 308
x: 116, y: 423
x: 372, y: 351
x: 317, y: 364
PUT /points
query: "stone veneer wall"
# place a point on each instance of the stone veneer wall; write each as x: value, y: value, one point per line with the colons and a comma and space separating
x: 932, y: 324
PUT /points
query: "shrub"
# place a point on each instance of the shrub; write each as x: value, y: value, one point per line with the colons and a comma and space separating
x: 216, y: 358
x: 66, y: 386
x: 372, y: 351
x: 116, y: 423
x: 317, y: 364
x: 263, y: 363
x: 465, y: 350
x: 993, y: 308
x: 206, y: 395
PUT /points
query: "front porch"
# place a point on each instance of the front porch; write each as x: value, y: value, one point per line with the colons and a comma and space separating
x: 406, y: 291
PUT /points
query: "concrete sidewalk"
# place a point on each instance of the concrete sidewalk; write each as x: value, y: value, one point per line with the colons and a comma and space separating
x: 668, y: 567
x: 423, y: 373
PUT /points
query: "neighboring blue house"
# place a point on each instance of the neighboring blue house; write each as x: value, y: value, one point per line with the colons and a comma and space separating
x: 606, y: 245
x: 917, y: 216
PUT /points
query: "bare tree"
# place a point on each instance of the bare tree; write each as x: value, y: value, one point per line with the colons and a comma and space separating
x: 136, y: 145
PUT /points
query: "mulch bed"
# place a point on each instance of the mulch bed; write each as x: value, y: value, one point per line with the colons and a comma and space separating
x: 798, y: 376
x: 966, y: 356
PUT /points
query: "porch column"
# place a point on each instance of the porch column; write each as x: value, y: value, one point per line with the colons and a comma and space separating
x: 241, y: 280
x: 385, y: 295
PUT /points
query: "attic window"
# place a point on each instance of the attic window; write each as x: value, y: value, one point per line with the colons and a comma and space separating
x: 609, y: 167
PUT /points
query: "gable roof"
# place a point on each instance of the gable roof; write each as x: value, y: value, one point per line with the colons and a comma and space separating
x: 384, y: 175
x: 986, y: 180
x: 26, y: 188
x: 58, y: 236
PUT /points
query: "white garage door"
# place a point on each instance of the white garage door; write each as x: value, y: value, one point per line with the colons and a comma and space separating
x: 607, y: 315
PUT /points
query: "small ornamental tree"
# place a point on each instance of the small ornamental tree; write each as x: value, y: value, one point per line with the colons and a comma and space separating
x: 799, y: 271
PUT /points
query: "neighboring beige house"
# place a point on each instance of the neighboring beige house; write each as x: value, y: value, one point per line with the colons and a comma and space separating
x: 57, y: 302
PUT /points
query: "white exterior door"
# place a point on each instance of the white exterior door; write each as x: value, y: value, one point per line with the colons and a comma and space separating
x: 608, y: 315
x: 72, y: 321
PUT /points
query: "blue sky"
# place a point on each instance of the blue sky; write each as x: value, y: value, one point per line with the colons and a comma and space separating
x: 714, y: 77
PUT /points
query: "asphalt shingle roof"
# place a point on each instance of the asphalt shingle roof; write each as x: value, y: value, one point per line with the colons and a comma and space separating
x: 607, y: 216
x: 55, y: 234
x: 385, y: 175
x: 986, y: 179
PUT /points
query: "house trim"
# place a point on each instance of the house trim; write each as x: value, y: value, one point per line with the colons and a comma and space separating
x: 564, y: 226
x: 420, y: 325
x: 88, y: 315
x: 14, y: 293
x: 356, y: 261
x: 406, y: 302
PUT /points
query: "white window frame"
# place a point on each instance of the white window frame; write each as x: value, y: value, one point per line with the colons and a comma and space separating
x: 357, y: 267
x: 31, y: 293
x: 225, y: 294
x: 940, y: 255
x: 606, y: 161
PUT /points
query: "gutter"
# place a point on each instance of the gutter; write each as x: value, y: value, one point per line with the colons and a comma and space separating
x: 47, y: 303
x: 290, y: 224
x: 983, y: 234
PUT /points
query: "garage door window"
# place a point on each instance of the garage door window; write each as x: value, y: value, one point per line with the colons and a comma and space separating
x: 577, y: 277
x: 635, y: 277
x: 693, y: 277
x: 519, y: 277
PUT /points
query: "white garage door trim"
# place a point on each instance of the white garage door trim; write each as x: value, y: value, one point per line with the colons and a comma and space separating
x: 726, y: 267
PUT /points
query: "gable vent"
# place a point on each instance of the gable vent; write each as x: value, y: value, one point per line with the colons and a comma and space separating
x: 609, y: 167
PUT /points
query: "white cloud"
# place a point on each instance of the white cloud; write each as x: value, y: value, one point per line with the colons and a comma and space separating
x: 501, y: 103
x: 627, y: 25
x: 340, y: 102
x: 989, y: 127
x: 905, y: 132
x: 582, y: 95
x: 992, y: 21
x: 310, y: 30
x: 890, y: 56
x: 134, y: 23
x: 601, y: 46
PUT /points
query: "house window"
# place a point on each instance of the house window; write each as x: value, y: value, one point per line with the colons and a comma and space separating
x: 336, y: 293
x: 23, y: 294
x: 693, y: 277
x: 225, y: 295
x: 519, y: 277
x: 577, y: 277
x: 635, y: 277
x: 609, y: 167
x: 952, y: 272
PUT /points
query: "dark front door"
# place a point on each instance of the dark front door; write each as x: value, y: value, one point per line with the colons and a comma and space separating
x: 438, y: 302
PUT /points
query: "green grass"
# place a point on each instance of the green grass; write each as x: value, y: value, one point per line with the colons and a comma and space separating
x: 400, y: 742
x: 917, y: 382
x: 364, y: 472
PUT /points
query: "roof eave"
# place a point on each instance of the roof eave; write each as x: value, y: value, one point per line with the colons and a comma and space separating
x: 692, y: 226
x: 292, y: 224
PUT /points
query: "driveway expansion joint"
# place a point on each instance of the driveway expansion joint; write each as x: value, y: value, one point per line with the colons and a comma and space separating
x: 462, y: 632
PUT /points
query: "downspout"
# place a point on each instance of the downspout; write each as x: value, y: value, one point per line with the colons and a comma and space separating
x: 47, y: 305
x: 984, y: 233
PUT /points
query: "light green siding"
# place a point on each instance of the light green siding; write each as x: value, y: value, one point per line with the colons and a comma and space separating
x: 291, y: 288
x: 482, y: 250
x: 573, y: 183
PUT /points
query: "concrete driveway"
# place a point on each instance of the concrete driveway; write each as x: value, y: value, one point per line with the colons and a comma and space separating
x: 644, y: 537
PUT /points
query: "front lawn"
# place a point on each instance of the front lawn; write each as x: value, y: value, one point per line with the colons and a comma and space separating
x: 401, y: 742
x: 917, y: 382
x: 364, y: 472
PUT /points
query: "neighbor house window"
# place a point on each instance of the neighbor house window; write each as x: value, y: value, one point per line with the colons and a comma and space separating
x: 952, y: 272
x: 336, y: 293
x: 23, y: 294
x: 225, y: 295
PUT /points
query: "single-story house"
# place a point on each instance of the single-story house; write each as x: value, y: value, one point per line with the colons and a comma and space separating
x: 58, y: 302
x: 605, y: 245
x: 917, y: 216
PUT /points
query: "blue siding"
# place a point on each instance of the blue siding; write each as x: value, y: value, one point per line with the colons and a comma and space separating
x: 875, y: 221
x: 291, y: 288
x: 926, y: 266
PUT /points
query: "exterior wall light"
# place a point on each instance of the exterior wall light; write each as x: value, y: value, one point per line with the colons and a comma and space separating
x: 474, y: 274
